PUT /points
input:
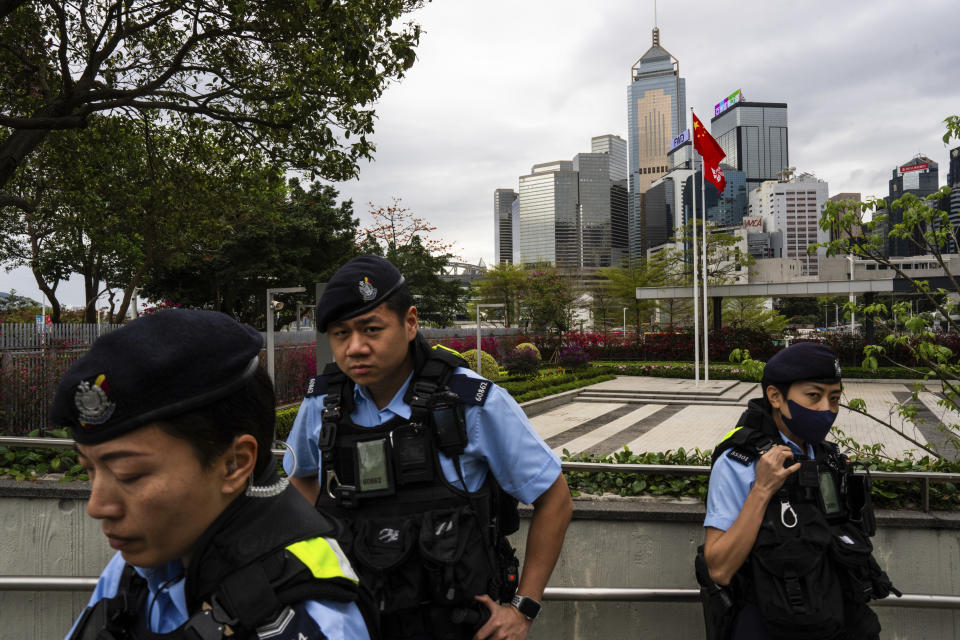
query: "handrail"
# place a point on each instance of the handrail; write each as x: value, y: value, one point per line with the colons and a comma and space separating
x: 589, y: 467
x: 594, y: 594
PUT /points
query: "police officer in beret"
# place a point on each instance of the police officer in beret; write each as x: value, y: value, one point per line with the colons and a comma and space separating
x: 424, y: 461
x: 787, y: 550
x: 173, y: 420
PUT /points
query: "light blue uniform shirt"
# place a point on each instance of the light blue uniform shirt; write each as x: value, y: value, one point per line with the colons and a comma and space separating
x: 167, y: 607
x: 500, y: 439
x: 730, y: 482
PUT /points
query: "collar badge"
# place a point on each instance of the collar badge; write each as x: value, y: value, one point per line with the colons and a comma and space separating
x: 367, y: 291
x: 92, y: 402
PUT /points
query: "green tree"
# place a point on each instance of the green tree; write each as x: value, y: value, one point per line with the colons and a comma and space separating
x: 278, y: 236
x: 403, y: 239
x: 547, y: 300
x: 623, y: 282
x: 925, y: 226
x: 502, y: 284
x: 296, y: 79
x: 751, y: 313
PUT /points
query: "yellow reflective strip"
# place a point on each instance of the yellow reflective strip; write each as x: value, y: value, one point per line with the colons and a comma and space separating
x: 324, y: 558
x: 730, y: 433
x: 440, y: 346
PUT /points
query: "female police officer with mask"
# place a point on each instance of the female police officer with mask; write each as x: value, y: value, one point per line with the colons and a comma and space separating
x: 787, y: 551
x: 173, y: 420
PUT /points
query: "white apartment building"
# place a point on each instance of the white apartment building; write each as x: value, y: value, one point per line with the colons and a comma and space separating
x: 792, y: 206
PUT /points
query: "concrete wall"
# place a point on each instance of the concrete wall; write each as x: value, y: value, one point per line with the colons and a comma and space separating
x: 44, y: 530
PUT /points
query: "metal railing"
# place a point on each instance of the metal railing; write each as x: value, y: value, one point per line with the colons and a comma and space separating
x: 925, y: 477
x: 561, y: 594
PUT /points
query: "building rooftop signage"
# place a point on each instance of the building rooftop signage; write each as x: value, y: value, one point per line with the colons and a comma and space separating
x: 680, y: 139
x: 923, y: 166
x: 726, y: 103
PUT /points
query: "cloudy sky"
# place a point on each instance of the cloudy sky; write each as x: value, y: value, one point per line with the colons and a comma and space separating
x: 501, y: 85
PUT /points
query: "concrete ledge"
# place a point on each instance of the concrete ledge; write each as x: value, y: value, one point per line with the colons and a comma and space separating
x: 542, y: 405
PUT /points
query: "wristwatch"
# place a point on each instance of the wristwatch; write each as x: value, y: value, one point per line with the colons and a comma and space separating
x: 527, y: 606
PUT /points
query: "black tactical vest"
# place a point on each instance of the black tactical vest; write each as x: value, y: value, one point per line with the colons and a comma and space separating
x: 811, y: 570
x: 249, y: 568
x: 424, y: 546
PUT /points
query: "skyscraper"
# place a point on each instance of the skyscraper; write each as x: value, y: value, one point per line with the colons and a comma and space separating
x: 574, y: 214
x: 503, y: 200
x: 951, y: 204
x: 919, y: 176
x: 793, y: 208
x: 549, y: 222
x: 754, y: 137
x: 656, y: 113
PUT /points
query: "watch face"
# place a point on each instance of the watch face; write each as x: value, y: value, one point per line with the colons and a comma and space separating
x: 527, y: 606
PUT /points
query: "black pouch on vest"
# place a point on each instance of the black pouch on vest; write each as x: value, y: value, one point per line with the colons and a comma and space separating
x: 454, y: 556
x: 797, y: 589
x: 413, y: 454
x: 852, y: 553
x: 386, y: 562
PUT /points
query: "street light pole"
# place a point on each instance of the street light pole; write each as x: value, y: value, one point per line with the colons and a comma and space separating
x: 479, y: 306
x: 624, y: 321
x: 270, y: 338
x: 853, y: 298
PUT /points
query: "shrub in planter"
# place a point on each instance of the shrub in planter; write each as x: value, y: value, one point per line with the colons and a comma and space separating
x: 522, y: 361
x: 574, y: 357
x: 489, y: 368
x: 528, y: 346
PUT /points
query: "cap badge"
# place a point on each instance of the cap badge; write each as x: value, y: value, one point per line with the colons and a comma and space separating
x: 367, y: 291
x: 836, y: 367
x: 92, y: 403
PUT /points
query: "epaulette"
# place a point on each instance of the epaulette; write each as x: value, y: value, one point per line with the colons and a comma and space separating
x: 472, y: 391
x: 317, y: 386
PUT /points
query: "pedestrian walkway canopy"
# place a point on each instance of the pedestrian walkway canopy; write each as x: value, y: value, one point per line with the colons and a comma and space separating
x: 895, y: 286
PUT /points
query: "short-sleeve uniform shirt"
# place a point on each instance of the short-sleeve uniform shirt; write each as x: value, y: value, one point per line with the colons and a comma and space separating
x: 730, y: 482
x: 166, y: 607
x: 500, y: 440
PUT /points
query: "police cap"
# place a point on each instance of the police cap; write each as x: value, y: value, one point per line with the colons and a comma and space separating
x: 157, y: 367
x: 802, y: 361
x: 356, y: 288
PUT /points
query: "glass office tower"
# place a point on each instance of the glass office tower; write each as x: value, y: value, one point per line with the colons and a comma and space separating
x: 549, y: 227
x: 656, y: 113
x: 754, y: 137
x: 919, y: 176
x: 503, y: 200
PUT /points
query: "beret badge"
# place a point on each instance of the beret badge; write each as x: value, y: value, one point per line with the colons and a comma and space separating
x: 92, y: 402
x: 367, y: 291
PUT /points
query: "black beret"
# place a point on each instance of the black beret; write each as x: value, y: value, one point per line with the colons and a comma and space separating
x: 157, y: 367
x: 802, y: 361
x: 356, y: 288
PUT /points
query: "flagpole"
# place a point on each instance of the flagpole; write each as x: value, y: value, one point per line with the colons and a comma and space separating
x: 696, y: 289
x: 706, y: 318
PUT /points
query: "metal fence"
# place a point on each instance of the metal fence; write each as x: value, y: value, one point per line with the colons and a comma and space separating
x: 29, y: 336
x: 570, y: 594
x: 924, y: 477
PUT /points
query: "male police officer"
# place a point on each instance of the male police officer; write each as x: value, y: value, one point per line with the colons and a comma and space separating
x: 411, y: 449
x: 787, y: 551
x: 173, y: 420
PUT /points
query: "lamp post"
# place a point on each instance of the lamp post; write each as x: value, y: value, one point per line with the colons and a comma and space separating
x: 624, y: 321
x: 853, y: 298
x: 270, y: 340
x: 480, y: 306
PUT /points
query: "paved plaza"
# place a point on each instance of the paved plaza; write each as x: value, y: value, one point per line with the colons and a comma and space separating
x: 660, y: 414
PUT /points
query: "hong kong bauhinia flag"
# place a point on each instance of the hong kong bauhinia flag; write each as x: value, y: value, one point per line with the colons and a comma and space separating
x: 711, y: 152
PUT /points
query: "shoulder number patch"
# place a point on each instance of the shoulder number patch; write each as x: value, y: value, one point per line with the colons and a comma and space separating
x: 317, y: 386
x: 739, y: 455
x: 472, y: 391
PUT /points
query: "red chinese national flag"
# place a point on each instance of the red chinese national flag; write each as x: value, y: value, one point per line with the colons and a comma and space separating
x: 711, y: 152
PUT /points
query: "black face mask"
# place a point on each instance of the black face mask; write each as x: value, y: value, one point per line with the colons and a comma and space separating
x: 809, y: 424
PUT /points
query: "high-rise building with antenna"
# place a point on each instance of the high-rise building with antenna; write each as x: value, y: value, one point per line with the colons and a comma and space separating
x: 656, y: 113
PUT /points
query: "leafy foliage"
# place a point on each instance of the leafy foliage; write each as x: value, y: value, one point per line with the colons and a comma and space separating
x: 489, y: 368
x: 296, y: 80
x: 523, y: 360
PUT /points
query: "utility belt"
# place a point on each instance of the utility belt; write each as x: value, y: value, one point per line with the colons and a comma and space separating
x: 811, y: 570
